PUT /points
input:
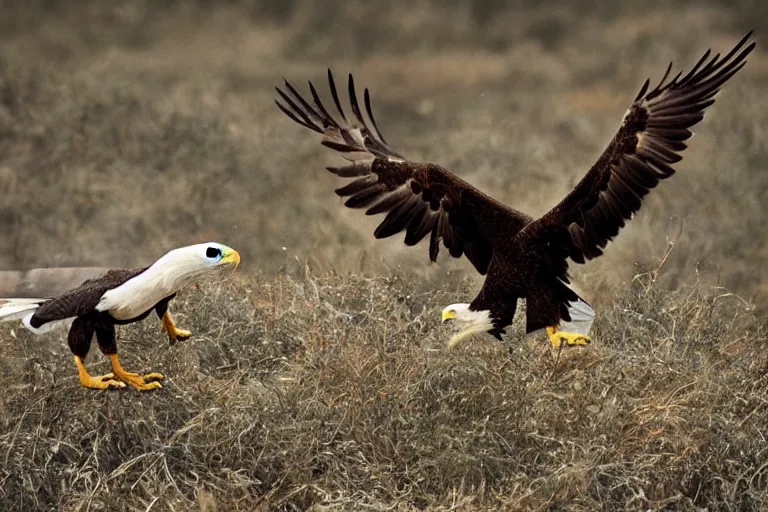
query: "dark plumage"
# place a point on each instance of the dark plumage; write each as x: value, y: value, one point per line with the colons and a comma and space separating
x: 83, y: 299
x: 522, y: 257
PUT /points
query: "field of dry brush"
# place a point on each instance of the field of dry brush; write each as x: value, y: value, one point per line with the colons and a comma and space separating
x: 317, y: 377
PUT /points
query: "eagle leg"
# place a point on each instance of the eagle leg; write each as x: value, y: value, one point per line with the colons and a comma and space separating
x: 174, y: 333
x: 557, y: 337
x: 97, y: 382
x: 134, y: 379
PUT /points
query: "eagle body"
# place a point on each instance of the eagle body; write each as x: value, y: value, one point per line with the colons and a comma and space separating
x: 120, y: 296
x: 520, y: 256
x: 532, y: 268
x: 84, y: 300
x: 85, y: 306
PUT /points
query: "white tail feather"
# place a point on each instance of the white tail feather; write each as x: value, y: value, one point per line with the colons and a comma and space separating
x: 582, y: 317
x: 16, y: 309
x: 582, y: 314
x: 48, y: 326
x: 24, y: 309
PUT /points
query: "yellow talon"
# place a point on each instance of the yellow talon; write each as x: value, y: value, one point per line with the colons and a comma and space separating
x: 174, y: 333
x: 98, y: 382
x: 557, y: 337
x: 179, y: 334
x: 134, y: 379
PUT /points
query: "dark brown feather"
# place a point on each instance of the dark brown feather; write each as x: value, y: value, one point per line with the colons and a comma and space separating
x: 82, y: 299
x: 389, y: 201
x: 365, y: 197
x: 399, y: 217
x: 420, y: 225
x: 641, y: 153
x: 353, y: 187
x: 352, y: 170
x: 419, y: 199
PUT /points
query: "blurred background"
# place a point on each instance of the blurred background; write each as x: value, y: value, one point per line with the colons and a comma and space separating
x: 131, y: 127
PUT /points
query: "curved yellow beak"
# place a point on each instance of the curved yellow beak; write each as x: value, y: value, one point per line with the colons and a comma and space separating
x: 232, y: 257
x: 448, y: 315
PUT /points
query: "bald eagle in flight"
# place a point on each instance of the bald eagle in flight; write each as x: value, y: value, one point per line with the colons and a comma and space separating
x: 521, y: 257
x: 120, y: 296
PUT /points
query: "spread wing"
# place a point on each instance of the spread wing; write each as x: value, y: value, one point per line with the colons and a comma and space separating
x: 420, y: 199
x: 641, y: 153
x: 82, y: 299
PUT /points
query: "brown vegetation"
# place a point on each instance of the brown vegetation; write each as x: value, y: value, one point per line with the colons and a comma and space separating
x: 128, y: 128
x: 338, y: 391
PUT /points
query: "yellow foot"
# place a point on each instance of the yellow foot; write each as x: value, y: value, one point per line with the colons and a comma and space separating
x: 182, y: 334
x: 174, y: 333
x: 98, y: 382
x: 134, y: 379
x: 178, y: 335
x: 569, y: 338
x: 140, y: 381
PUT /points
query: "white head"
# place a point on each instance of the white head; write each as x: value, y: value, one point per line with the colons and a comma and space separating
x: 182, y: 266
x: 209, y: 254
x: 193, y: 261
x: 468, y: 321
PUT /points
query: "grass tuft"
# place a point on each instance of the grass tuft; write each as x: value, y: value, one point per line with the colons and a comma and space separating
x: 338, y: 392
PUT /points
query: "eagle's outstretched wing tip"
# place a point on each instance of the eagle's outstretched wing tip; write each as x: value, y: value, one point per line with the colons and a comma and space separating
x: 643, y: 150
x: 363, y: 136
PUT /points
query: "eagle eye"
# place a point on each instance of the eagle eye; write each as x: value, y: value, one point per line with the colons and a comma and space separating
x: 213, y: 252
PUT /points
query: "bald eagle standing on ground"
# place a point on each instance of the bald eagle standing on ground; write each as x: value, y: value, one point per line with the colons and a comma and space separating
x: 521, y: 257
x: 121, y: 296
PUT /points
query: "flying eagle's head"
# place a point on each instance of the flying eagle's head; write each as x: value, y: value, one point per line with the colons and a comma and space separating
x: 468, y: 321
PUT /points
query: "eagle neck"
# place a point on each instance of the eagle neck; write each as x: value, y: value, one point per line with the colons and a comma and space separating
x: 165, y: 277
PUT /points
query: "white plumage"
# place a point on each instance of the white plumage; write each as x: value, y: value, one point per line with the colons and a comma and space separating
x: 16, y: 309
x: 471, y: 322
x: 23, y: 309
x: 168, y: 275
x: 582, y: 317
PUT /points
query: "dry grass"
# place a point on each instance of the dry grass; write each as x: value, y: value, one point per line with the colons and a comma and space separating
x: 338, y: 392
x: 146, y: 124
